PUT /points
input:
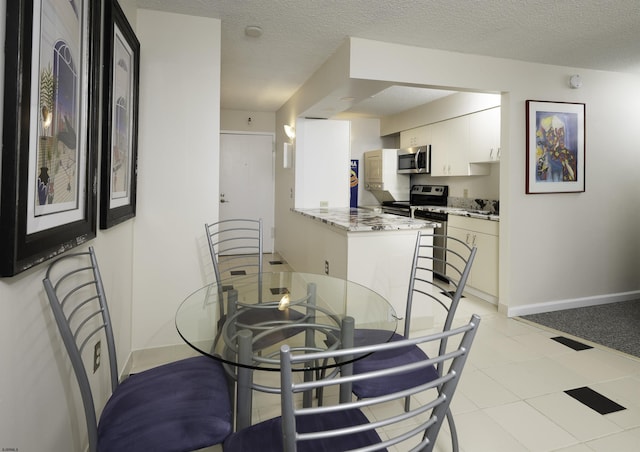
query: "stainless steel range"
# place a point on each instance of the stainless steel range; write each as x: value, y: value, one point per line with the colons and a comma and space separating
x: 420, y: 195
x: 425, y: 196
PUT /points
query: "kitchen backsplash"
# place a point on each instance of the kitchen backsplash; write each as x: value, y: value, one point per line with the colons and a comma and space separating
x: 490, y: 205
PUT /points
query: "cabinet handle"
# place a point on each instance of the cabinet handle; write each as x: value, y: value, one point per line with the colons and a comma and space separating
x: 467, y: 239
x: 491, y: 154
x: 474, y: 240
x: 498, y: 155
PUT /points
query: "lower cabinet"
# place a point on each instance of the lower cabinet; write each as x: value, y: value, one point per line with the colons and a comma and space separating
x: 484, y: 234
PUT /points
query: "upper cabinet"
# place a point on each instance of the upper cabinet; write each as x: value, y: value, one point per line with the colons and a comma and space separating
x: 415, y: 137
x: 484, y: 136
x: 460, y: 146
x: 373, y: 169
x: 449, y: 145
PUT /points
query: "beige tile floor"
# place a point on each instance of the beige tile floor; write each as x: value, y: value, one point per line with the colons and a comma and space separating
x: 511, y: 396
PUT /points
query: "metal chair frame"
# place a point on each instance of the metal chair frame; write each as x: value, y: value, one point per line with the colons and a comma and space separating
x: 426, y: 419
x: 436, y: 287
x: 235, y: 239
x: 89, y: 321
x: 76, y: 294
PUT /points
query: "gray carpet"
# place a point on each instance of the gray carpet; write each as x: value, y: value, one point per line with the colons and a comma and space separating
x: 614, y: 325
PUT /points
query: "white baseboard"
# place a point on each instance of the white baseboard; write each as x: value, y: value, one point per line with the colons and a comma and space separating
x: 559, y: 305
x: 481, y: 295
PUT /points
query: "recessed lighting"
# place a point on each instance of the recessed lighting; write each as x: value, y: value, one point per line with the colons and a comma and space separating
x: 253, y: 31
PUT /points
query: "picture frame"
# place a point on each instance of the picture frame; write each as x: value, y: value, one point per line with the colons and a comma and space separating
x: 555, y: 147
x: 120, y: 118
x: 50, y: 115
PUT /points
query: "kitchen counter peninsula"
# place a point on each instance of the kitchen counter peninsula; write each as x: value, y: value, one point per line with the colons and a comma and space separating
x: 362, y: 220
x: 360, y: 245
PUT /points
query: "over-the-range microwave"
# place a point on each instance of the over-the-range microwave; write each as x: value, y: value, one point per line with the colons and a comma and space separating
x: 414, y: 160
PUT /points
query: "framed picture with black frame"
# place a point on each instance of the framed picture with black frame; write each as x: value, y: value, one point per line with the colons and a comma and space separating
x: 555, y: 147
x: 50, y: 134
x: 120, y: 118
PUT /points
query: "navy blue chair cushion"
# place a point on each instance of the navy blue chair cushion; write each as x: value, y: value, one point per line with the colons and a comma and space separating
x: 375, y: 387
x: 267, y: 436
x: 180, y: 406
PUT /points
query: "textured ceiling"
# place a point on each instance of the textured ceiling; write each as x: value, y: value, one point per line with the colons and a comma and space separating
x: 261, y: 74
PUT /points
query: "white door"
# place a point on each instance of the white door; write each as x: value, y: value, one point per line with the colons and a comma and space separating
x: 247, y: 180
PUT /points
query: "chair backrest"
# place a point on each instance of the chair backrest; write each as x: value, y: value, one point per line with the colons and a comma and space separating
x: 427, y: 283
x: 239, y: 242
x: 74, y: 288
x: 418, y: 428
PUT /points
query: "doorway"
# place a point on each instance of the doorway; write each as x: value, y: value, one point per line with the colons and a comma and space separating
x: 247, y: 180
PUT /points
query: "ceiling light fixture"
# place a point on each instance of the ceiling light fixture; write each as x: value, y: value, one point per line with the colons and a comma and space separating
x: 253, y: 31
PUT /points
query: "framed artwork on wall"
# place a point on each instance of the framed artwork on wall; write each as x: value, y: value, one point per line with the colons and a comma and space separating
x: 49, y: 149
x: 120, y: 124
x: 555, y: 147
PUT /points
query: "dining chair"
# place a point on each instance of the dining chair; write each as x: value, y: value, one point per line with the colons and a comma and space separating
x: 426, y: 285
x: 235, y: 246
x: 236, y: 249
x: 363, y: 424
x: 180, y: 406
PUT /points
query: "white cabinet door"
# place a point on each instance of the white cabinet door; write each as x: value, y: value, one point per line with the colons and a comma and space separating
x: 485, y: 266
x: 484, y: 235
x: 418, y: 136
x: 439, y: 157
x: 484, y: 135
x: 372, y: 167
x: 449, y: 145
x: 458, y: 133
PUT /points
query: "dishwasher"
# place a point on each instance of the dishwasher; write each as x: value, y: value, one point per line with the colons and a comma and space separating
x: 439, y: 241
x: 434, y: 197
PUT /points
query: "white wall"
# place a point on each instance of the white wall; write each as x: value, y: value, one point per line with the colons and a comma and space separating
x: 178, y: 167
x: 247, y: 121
x: 37, y: 389
x: 36, y: 384
x: 555, y: 250
x: 323, y: 168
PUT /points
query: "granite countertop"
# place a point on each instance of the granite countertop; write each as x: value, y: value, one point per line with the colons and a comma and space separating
x: 358, y: 220
x: 461, y: 211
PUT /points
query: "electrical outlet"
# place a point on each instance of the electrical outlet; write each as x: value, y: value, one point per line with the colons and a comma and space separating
x: 465, y: 193
x: 96, y: 356
x: 326, y: 267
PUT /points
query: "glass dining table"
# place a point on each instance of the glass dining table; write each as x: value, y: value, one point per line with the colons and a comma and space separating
x: 244, y: 320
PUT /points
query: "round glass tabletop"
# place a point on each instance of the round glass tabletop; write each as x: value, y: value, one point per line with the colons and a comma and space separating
x: 303, y: 310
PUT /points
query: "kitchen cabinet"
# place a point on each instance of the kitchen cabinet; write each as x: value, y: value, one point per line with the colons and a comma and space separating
x: 373, y: 167
x: 460, y: 146
x: 484, y: 135
x: 418, y: 136
x: 449, y: 147
x: 381, y: 173
x: 484, y: 234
